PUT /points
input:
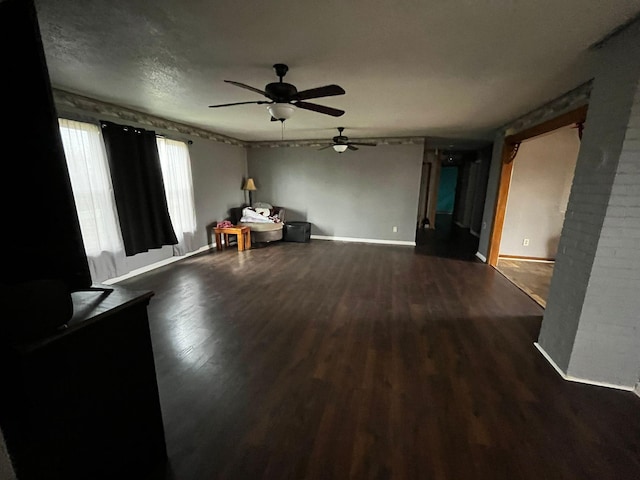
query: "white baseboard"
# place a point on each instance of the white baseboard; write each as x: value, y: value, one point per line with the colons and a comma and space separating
x: 153, y: 266
x: 533, y: 260
x: 580, y: 380
x: 481, y: 257
x: 364, y: 240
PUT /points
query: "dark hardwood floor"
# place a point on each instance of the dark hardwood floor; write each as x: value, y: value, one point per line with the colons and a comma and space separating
x: 329, y: 360
x: 447, y: 240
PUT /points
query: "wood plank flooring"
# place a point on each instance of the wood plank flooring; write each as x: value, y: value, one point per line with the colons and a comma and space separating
x: 329, y: 360
x: 534, y: 278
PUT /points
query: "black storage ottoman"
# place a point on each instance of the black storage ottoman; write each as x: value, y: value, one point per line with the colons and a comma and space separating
x: 297, y: 232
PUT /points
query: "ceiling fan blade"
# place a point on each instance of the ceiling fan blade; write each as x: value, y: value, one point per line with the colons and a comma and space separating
x: 351, y: 147
x: 248, y: 87
x: 237, y: 103
x: 367, y: 144
x: 319, y: 108
x: 326, y: 91
x: 325, y: 147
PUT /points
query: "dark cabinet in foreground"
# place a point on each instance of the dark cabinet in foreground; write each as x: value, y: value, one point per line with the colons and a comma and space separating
x: 84, y: 403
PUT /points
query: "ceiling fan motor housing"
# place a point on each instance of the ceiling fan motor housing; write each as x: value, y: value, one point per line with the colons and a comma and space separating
x: 281, y: 92
x: 340, y: 139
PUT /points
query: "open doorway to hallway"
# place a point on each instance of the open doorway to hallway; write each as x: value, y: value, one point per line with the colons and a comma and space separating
x: 453, y: 190
x: 446, y: 198
x: 538, y: 194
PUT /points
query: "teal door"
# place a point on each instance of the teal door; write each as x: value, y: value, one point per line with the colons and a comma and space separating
x: 447, y: 190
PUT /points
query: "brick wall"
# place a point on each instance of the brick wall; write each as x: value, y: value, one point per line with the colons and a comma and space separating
x: 590, y: 326
x: 607, y: 346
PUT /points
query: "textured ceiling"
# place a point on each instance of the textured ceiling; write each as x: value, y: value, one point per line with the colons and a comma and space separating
x: 449, y: 69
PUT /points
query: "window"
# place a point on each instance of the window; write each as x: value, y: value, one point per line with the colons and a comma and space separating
x: 89, y: 172
x: 95, y: 203
x: 178, y: 185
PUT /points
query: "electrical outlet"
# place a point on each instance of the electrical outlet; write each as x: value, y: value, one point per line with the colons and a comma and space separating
x: 395, y: 229
x: 525, y: 242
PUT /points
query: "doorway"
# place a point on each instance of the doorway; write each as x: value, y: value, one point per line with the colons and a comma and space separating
x: 451, y: 204
x: 445, y: 205
x: 532, y: 201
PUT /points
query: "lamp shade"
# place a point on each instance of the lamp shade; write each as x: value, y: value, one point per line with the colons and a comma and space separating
x: 340, y: 148
x: 249, y: 185
x: 281, y: 111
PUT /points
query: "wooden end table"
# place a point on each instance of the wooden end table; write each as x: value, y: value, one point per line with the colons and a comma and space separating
x: 243, y: 233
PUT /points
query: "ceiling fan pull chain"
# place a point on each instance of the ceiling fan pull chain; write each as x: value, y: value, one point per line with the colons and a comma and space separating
x: 282, y: 131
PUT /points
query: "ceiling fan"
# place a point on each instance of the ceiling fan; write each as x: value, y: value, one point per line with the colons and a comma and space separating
x: 342, y: 143
x: 284, y: 98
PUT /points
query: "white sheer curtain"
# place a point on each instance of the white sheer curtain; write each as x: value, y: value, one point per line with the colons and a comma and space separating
x: 178, y: 186
x: 91, y: 183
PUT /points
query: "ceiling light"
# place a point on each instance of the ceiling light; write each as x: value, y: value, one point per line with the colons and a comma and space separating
x: 281, y: 111
x: 339, y: 148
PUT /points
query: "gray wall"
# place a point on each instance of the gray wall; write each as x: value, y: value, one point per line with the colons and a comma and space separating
x: 591, y: 326
x: 491, y: 193
x: 607, y: 345
x: 538, y: 194
x: 464, y: 195
x: 356, y: 194
x: 218, y: 171
x: 471, y: 193
x: 484, y: 159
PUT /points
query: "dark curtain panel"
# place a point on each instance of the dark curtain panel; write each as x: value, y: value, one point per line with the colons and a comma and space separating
x: 138, y: 187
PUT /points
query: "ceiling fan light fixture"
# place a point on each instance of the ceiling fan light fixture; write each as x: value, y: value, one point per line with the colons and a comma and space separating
x: 340, y: 148
x: 284, y: 98
x: 281, y: 111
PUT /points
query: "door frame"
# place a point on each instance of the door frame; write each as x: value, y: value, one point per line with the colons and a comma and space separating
x: 509, y: 151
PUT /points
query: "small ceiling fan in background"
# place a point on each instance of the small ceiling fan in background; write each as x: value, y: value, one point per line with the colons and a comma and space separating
x: 284, y: 98
x: 342, y: 143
